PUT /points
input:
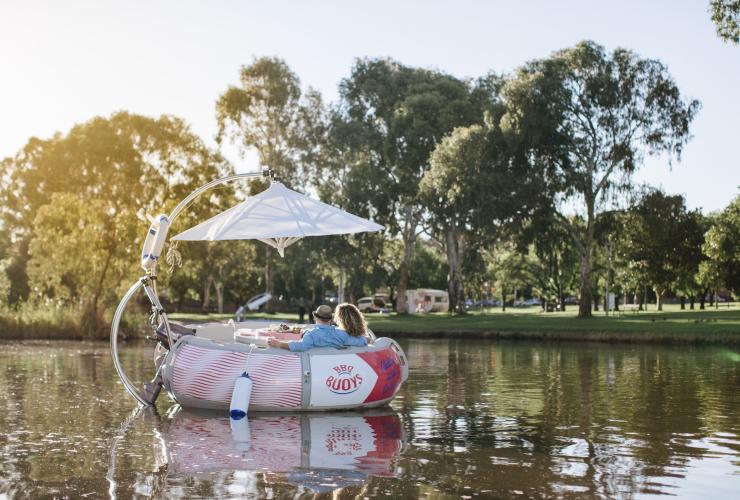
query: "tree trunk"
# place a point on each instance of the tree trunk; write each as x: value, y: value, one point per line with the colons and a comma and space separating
x: 409, y: 239
x: 561, y: 294
x: 220, y: 297
x: 586, y: 300
x: 403, y: 279
x: 645, y: 302
x: 703, y: 299
x: 692, y: 299
x: 95, y: 320
x: 503, y: 298
x: 455, y: 248
x: 207, y: 294
x: 584, y: 304
x: 269, y: 278
x: 683, y: 302
x: 659, y: 299
x: 340, y: 294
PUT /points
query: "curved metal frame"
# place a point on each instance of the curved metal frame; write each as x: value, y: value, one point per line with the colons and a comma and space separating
x: 114, y: 343
x: 149, y: 284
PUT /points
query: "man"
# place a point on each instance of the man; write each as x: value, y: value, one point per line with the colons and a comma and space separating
x: 324, y: 334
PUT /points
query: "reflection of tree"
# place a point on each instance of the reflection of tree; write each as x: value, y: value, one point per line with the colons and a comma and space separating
x: 60, y: 410
x: 549, y: 419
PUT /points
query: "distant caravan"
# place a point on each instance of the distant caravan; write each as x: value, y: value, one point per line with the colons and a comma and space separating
x: 426, y: 300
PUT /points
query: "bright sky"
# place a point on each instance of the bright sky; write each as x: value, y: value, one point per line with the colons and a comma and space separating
x: 65, y: 62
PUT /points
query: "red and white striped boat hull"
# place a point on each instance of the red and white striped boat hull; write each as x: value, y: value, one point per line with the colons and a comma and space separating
x: 200, y: 373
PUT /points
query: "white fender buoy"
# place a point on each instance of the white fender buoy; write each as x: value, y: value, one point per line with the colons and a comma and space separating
x: 240, y: 397
x: 241, y: 434
x: 154, y: 241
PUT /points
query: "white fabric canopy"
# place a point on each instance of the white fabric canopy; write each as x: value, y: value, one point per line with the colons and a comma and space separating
x: 279, y: 217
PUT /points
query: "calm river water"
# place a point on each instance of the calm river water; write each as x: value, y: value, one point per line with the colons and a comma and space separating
x: 476, y: 419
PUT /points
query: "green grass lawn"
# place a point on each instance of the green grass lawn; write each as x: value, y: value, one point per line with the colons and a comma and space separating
x: 670, y: 324
x: 202, y: 318
x: 671, y: 320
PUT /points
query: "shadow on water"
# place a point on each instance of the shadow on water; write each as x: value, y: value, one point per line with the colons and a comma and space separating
x: 476, y: 418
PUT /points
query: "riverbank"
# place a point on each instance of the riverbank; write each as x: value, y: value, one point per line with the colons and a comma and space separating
x: 672, y: 325
x: 59, y: 323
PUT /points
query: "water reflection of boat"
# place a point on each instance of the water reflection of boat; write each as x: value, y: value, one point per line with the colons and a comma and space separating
x: 367, y: 442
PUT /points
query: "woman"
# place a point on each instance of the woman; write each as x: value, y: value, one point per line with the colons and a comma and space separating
x: 350, y: 319
x: 324, y: 334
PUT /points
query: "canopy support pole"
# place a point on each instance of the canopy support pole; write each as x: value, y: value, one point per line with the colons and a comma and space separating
x: 144, y: 396
x: 205, y: 187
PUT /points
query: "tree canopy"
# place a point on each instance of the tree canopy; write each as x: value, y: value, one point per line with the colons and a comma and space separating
x: 722, y: 248
x: 81, y: 197
x: 726, y: 17
x: 519, y: 180
x: 390, y: 119
x: 590, y: 117
x: 659, y: 241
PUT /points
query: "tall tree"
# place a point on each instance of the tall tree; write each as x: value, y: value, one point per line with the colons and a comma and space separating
x: 591, y: 117
x: 555, y: 262
x: 391, y: 118
x: 722, y: 248
x: 690, y: 257
x: 510, y: 268
x: 657, y: 238
x: 458, y: 206
x: 473, y: 192
x: 266, y: 114
x: 92, y: 169
x: 269, y: 114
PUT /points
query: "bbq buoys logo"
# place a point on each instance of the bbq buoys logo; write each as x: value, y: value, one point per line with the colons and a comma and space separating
x: 345, y: 380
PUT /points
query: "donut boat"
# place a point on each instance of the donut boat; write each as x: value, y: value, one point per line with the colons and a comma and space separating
x: 201, y: 369
x: 199, y: 365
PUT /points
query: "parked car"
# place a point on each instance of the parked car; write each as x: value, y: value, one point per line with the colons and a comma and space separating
x: 365, y: 304
x: 371, y: 305
x: 256, y: 302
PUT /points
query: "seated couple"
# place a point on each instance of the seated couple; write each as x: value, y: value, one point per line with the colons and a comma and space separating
x: 350, y: 330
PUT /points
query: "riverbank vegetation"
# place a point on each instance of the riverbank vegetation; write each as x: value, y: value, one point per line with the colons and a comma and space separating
x: 672, y: 324
x: 499, y: 187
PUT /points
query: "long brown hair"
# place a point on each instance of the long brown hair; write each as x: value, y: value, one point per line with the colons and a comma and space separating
x: 350, y: 319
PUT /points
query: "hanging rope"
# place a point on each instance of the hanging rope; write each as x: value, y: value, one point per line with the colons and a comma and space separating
x: 173, y: 257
